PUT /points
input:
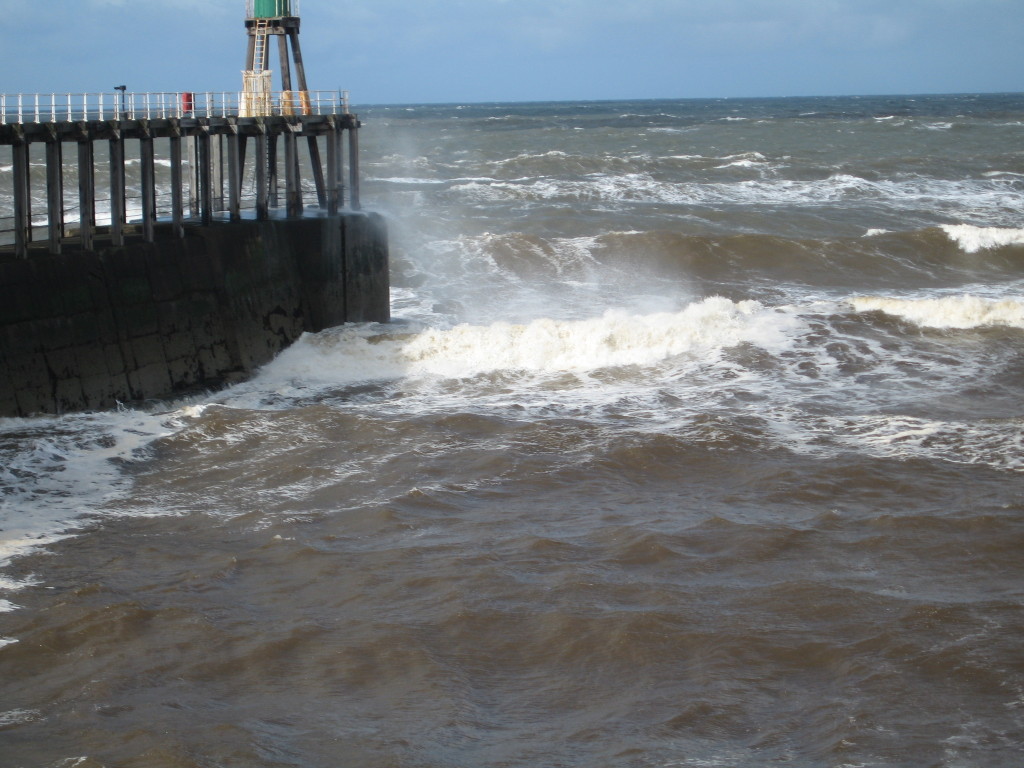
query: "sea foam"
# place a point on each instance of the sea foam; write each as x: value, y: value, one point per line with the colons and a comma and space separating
x: 53, y: 470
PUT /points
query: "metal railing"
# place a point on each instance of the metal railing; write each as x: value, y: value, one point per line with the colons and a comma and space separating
x: 74, y: 107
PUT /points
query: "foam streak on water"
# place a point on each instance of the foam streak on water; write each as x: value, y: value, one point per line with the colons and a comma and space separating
x: 697, y: 440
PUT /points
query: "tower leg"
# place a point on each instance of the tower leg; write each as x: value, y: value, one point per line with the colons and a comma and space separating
x: 250, y: 56
x: 300, y: 71
x: 286, y: 74
x: 304, y: 107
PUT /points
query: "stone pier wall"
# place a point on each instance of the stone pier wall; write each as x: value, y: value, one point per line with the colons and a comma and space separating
x: 86, y: 330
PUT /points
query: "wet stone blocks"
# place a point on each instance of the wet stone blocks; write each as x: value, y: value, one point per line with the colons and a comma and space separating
x: 86, y: 330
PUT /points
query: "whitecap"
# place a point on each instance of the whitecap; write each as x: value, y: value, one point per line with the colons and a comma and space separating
x: 998, y: 444
x: 973, y: 239
x: 352, y: 354
x: 17, y: 716
x: 406, y: 180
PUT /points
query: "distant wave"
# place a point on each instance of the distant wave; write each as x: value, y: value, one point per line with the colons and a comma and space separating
x: 839, y: 188
x: 948, y: 312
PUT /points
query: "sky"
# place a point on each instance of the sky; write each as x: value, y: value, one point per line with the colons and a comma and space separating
x: 444, y: 51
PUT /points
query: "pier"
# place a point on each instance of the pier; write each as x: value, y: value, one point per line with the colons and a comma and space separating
x: 155, y: 245
x: 206, y: 238
x: 225, y: 153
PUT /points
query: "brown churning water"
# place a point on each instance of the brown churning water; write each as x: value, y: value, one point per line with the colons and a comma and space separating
x: 697, y: 441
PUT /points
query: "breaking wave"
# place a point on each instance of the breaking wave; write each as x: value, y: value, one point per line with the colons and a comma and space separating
x: 948, y: 312
x: 973, y: 239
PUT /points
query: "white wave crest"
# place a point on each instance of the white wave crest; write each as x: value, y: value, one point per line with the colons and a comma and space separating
x: 973, y: 239
x: 617, y: 338
x: 948, y: 312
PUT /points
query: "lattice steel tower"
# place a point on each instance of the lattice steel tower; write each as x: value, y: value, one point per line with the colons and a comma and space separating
x: 266, y: 19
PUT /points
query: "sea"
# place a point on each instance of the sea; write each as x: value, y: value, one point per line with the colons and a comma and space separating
x: 696, y: 439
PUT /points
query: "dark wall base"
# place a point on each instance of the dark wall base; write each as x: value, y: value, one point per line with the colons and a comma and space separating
x: 88, y: 329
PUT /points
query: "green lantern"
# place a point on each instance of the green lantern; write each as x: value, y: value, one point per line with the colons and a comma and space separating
x: 271, y: 9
